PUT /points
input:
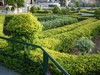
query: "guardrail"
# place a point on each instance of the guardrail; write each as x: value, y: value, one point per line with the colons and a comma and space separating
x: 46, y: 56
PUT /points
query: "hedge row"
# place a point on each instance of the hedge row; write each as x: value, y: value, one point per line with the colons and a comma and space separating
x: 67, y: 28
x: 21, y: 66
x: 46, y: 18
x: 66, y: 41
x: 75, y: 65
x: 44, y: 11
x: 58, y: 22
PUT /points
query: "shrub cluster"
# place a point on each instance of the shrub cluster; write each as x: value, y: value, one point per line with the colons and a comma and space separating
x: 86, y: 11
x: 84, y: 45
x: 21, y: 66
x: 66, y: 28
x: 47, y: 18
x: 65, y: 10
x: 44, y: 11
x: 59, y: 22
x: 56, y: 10
x: 97, y: 13
x: 67, y: 39
x: 7, y: 19
x: 34, y: 9
x: 24, y: 27
x: 82, y: 65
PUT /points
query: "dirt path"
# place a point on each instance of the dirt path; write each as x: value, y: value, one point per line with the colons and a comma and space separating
x: 6, y: 71
x: 97, y: 44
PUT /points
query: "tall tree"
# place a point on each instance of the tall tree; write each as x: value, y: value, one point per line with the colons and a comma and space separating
x: 19, y: 3
x: 15, y: 3
x: 64, y: 2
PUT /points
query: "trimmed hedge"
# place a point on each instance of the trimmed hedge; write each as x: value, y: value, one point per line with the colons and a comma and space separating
x: 21, y: 66
x: 34, y: 9
x: 75, y: 65
x: 56, y: 10
x: 58, y: 22
x: 67, y: 39
x: 6, y: 21
x: 86, y: 11
x: 44, y: 11
x: 67, y: 28
x: 47, y: 18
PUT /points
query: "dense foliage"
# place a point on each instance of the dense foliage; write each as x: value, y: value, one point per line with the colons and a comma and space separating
x: 61, y: 39
x: 66, y: 28
x: 18, y: 3
x: 82, y: 65
x: 84, y: 45
x: 97, y: 13
x: 34, y: 9
x: 24, y: 28
x: 65, y: 41
x: 47, y: 18
x: 56, y: 10
x: 44, y: 11
x: 65, y: 10
x: 58, y: 22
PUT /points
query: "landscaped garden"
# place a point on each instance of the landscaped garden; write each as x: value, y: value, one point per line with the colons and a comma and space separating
x: 70, y: 38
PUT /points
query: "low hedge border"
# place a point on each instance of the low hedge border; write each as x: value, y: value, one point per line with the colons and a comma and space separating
x: 66, y: 41
x: 74, y: 64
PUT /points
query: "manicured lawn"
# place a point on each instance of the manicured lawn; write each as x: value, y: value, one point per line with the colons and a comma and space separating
x: 2, y: 42
x: 2, y: 17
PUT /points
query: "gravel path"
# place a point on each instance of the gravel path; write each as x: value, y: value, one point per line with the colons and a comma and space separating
x: 97, y: 44
x: 5, y: 71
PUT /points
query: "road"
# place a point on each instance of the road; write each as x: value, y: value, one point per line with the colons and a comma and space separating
x: 6, y: 71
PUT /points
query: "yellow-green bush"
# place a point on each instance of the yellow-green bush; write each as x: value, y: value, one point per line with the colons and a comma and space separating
x: 74, y: 64
x: 56, y: 10
x: 25, y: 25
x: 66, y: 28
x: 67, y: 39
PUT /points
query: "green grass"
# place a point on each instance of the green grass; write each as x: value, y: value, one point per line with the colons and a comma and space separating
x: 2, y: 17
x: 3, y: 43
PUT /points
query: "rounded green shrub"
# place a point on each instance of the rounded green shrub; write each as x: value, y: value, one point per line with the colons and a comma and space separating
x: 65, y: 10
x: 34, y: 9
x: 56, y: 10
x: 44, y: 11
x: 73, y: 9
x: 84, y: 44
x: 24, y: 27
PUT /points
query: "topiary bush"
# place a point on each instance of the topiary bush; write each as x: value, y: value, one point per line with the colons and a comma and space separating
x: 44, y: 11
x: 24, y: 27
x: 65, y: 10
x: 56, y: 10
x: 84, y: 45
x: 34, y: 9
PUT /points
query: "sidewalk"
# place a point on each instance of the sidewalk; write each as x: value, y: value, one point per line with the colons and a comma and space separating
x: 5, y: 71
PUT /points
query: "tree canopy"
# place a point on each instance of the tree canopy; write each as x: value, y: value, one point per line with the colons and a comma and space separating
x: 18, y: 3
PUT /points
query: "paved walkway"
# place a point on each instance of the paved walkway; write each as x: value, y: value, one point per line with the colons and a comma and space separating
x: 6, y: 71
